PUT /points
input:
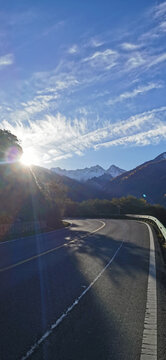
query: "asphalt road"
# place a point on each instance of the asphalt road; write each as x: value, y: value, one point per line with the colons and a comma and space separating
x: 79, y: 293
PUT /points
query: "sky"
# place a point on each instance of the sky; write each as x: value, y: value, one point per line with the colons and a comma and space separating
x: 84, y: 82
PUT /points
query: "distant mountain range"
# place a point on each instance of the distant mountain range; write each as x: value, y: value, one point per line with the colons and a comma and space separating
x: 147, y: 179
x: 83, y: 175
x: 23, y: 188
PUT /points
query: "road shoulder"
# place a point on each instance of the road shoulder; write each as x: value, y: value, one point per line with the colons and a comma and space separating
x: 161, y: 299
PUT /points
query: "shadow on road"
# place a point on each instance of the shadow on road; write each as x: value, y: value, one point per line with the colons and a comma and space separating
x: 108, y: 321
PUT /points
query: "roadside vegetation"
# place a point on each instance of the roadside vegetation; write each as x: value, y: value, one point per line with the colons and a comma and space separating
x: 117, y: 207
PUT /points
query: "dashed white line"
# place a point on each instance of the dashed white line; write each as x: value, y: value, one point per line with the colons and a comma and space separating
x: 69, y: 309
x: 149, y: 341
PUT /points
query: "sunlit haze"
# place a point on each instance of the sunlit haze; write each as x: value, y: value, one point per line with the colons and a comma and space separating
x: 83, y: 82
x: 28, y: 158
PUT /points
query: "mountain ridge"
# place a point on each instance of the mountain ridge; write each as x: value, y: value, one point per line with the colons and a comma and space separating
x: 148, y: 178
x: 88, y: 173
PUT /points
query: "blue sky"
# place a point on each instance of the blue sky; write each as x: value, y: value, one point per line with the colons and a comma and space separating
x: 83, y: 82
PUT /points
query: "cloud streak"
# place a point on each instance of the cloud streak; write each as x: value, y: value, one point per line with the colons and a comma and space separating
x: 144, y: 138
x: 73, y: 49
x: 135, y: 92
x: 106, y: 58
x: 56, y: 137
x: 130, y: 47
x: 61, y: 111
x: 6, y: 60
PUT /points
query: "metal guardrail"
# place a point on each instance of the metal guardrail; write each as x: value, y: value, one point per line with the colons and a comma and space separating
x: 155, y: 220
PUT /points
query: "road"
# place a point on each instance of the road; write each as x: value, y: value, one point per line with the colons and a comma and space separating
x: 81, y: 293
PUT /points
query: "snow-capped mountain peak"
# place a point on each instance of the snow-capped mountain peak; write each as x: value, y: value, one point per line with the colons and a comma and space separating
x: 81, y: 174
x: 85, y: 174
x: 114, y: 171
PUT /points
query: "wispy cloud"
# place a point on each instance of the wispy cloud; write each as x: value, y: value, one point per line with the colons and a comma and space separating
x: 160, y: 10
x: 106, y: 58
x: 157, y: 60
x: 143, y: 138
x: 60, y: 138
x: 6, y: 60
x: 47, y: 89
x: 39, y: 103
x: 73, y: 49
x: 96, y: 42
x: 140, y: 90
x: 52, y: 28
x: 135, y: 60
x: 130, y: 47
x: 162, y: 26
x: 54, y: 136
x: 142, y: 129
x: 156, y: 17
x: 89, y: 71
x: 101, y: 55
x: 142, y: 61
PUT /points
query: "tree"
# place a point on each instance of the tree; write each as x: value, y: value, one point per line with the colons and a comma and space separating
x: 10, y: 149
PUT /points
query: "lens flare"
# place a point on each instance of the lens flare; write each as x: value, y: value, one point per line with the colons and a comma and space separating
x: 28, y: 158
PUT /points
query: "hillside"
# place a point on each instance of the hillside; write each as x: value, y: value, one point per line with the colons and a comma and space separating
x: 20, y: 194
x: 65, y: 187
x: 148, y: 178
x: 33, y: 193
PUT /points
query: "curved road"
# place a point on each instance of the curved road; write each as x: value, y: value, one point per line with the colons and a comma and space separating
x: 82, y: 293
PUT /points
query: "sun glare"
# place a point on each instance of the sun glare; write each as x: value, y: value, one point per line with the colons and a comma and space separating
x: 28, y: 158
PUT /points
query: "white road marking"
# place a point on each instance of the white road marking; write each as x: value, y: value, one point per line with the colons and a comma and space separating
x: 21, y: 262
x: 45, y: 233
x: 149, y: 341
x: 94, y: 231
x: 101, y: 227
x: 70, y: 308
x: 31, y: 236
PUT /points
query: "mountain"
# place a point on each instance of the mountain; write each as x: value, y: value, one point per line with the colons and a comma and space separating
x: 81, y: 174
x: 33, y: 193
x: 65, y: 187
x: 29, y: 193
x: 148, y: 179
x: 115, y: 171
x: 86, y: 174
x: 100, y: 182
x: 160, y: 157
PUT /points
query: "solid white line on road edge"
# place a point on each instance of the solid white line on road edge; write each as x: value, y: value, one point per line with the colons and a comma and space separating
x: 94, y: 231
x: 21, y: 262
x: 101, y: 227
x: 149, y: 341
x: 70, y: 308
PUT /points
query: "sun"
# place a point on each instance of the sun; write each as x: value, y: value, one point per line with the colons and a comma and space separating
x: 28, y: 158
